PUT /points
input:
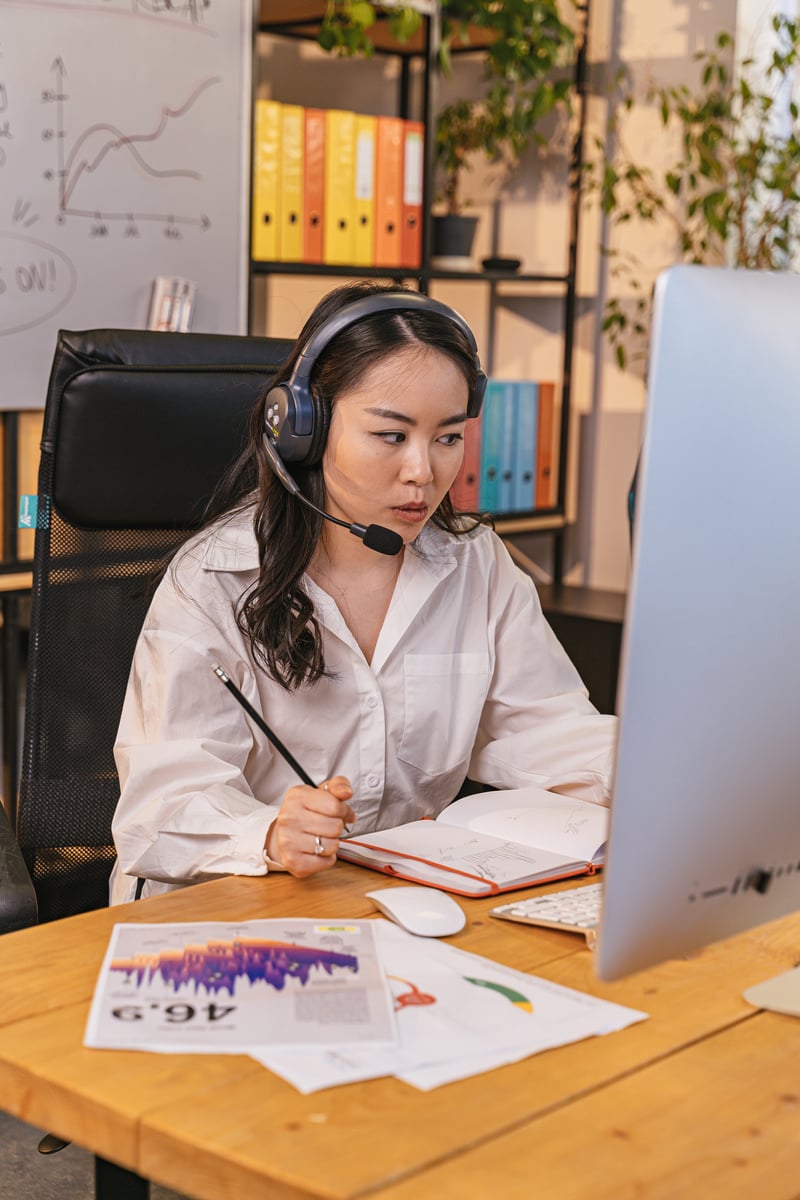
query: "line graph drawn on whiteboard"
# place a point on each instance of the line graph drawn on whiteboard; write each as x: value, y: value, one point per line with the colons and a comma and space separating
x: 193, y: 10
x: 81, y: 163
x: 196, y: 12
x: 124, y: 156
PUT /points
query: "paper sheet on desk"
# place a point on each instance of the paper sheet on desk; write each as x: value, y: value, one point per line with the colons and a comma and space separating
x: 458, y: 1014
x: 226, y: 988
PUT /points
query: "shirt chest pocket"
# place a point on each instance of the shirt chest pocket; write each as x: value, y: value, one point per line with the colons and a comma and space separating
x: 444, y: 698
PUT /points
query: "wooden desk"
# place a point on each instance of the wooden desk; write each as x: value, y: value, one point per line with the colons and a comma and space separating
x: 701, y: 1100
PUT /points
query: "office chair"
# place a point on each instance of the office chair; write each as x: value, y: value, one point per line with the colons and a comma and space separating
x: 138, y: 427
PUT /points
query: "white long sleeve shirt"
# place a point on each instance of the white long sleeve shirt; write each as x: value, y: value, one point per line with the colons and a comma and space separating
x: 467, y: 678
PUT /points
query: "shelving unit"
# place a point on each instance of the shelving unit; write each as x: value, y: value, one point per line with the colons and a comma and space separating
x: 301, y: 19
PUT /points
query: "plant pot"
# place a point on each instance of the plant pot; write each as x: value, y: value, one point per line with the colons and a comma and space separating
x: 452, y: 242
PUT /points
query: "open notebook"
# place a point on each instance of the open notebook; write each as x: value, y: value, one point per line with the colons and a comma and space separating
x: 491, y: 842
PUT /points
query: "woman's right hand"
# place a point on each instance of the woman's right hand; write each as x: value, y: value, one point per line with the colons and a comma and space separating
x: 310, y: 818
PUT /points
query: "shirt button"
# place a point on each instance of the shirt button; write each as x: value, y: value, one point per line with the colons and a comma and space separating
x: 372, y: 702
x: 373, y: 780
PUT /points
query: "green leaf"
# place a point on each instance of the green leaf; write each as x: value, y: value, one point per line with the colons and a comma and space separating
x: 362, y: 14
x: 404, y: 23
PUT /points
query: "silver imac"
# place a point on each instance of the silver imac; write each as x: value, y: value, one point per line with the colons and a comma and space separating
x: 705, y: 817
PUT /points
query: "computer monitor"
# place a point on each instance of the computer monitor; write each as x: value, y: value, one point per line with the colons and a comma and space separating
x: 705, y: 816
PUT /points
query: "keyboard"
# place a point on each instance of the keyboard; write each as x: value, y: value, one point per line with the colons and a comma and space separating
x: 577, y: 910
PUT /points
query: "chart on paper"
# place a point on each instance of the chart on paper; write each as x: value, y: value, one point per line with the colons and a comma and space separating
x: 228, y: 988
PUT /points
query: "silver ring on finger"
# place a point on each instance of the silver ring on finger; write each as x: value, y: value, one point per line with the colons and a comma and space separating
x: 318, y: 846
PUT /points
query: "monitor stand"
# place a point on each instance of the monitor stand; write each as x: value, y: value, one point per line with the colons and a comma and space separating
x: 779, y: 994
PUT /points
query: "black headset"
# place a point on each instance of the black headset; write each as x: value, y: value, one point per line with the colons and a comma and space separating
x: 296, y: 422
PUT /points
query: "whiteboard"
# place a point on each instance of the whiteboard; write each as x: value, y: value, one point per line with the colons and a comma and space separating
x: 124, y: 155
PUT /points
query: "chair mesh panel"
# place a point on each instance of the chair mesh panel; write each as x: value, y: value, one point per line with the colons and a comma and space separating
x: 91, y: 593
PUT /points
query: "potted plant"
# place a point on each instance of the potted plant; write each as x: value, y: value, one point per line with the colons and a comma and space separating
x: 732, y: 194
x: 524, y: 44
x: 346, y: 25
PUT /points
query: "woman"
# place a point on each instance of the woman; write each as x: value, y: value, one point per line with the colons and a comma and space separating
x: 389, y: 676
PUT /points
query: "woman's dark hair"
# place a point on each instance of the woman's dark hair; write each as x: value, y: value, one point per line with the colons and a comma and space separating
x: 276, y: 614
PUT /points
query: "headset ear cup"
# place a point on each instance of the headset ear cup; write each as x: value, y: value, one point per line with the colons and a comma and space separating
x: 282, y: 422
x: 476, y: 399
x: 274, y: 413
x: 319, y: 432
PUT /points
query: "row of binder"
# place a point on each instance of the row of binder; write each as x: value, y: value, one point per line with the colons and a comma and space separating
x: 510, y: 453
x: 336, y: 187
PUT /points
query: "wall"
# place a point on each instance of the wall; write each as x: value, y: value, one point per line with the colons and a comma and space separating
x: 656, y: 40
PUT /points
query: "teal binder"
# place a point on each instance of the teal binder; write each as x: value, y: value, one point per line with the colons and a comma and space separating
x: 506, y: 488
x: 491, y: 438
x: 527, y: 415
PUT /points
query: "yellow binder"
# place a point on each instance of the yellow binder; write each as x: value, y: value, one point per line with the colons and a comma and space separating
x: 266, y: 184
x: 290, y: 224
x: 340, y: 186
x: 364, y: 235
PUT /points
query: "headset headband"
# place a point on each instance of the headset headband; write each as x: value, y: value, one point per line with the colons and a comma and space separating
x: 296, y: 424
x: 367, y: 306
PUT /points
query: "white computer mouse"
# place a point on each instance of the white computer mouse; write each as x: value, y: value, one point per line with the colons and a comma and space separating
x: 422, y: 910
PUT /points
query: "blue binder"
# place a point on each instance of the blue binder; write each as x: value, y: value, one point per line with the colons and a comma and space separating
x: 506, y: 488
x: 527, y: 413
x: 491, y: 439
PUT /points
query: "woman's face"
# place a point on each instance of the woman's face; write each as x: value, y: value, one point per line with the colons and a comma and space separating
x: 396, y: 441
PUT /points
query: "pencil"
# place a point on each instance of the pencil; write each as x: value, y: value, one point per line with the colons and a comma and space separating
x: 263, y: 726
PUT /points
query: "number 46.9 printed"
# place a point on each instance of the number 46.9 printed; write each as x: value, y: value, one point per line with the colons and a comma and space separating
x: 234, y: 988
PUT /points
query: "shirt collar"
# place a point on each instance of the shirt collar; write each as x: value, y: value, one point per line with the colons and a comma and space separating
x: 231, y: 544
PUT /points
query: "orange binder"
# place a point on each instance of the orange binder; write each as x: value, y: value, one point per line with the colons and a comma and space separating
x: 411, y: 236
x: 340, y: 186
x: 389, y: 192
x: 364, y: 202
x: 545, y: 495
x: 314, y: 180
x: 266, y: 182
x: 290, y: 222
x: 464, y: 492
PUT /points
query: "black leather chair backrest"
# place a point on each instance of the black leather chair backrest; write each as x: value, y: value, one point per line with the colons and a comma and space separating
x: 139, y: 423
x: 138, y: 428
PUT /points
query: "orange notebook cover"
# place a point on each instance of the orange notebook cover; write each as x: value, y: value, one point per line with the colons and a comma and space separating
x: 411, y: 236
x: 314, y: 180
x: 389, y: 192
x: 545, y: 482
x: 492, y: 842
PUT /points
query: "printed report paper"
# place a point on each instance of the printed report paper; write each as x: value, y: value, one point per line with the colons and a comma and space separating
x: 458, y: 1014
x: 232, y: 987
